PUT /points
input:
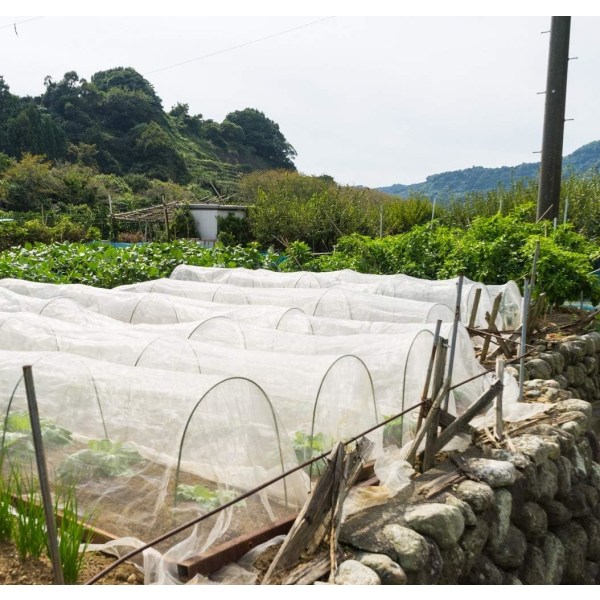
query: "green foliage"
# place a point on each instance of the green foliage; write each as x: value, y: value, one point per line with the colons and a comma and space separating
x: 25, y: 523
x: 74, y: 533
x: 392, y: 432
x: 102, y: 458
x: 7, y: 519
x: 233, y: 230
x: 262, y: 135
x: 29, y: 535
x: 206, y: 498
x: 308, y: 446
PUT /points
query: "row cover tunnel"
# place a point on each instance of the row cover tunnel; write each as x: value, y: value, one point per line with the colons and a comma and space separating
x: 163, y: 399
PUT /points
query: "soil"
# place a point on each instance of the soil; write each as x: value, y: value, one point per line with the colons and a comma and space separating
x: 15, y: 571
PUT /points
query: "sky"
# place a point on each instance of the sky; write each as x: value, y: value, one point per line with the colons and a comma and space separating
x: 370, y: 99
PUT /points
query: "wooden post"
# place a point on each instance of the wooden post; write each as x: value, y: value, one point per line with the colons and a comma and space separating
x: 523, y: 344
x: 425, y: 392
x: 486, y: 342
x: 499, y: 429
x: 475, y: 308
x: 166, y: 213
x: 459, y: 287
x: 440, y: 368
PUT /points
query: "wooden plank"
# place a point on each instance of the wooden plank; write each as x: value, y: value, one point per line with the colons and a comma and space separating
x: 316, y: 516
x: 231, y: 551
x: 457, y: 426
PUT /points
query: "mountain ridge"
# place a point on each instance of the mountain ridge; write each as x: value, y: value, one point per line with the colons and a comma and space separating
x: 443, y: 186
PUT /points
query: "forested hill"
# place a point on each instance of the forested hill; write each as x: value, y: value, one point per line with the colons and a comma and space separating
x: 479, y: 179
x: 115, y: 123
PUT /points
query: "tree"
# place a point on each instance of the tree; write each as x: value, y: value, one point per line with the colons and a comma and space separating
x: 264, y: 136
x: 28, y: 184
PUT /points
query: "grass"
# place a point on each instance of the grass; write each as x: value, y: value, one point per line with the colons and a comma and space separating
x: 30, y: 525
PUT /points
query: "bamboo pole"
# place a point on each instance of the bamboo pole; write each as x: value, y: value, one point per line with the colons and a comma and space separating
x: 425, y: 391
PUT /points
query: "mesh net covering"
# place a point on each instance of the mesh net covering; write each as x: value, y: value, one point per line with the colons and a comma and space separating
x: 398, y: 285
x: 160, y: 407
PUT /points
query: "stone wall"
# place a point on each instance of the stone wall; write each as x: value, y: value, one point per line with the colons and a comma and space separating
x: 573, y: 363
x: 528, y: 512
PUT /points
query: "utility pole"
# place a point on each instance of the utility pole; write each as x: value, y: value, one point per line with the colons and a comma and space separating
x: 554, y: 119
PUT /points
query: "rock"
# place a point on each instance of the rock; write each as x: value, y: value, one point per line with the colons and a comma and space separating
x: 532, y: 446
x: 390, y: 572
x: 591, y: 495
x: 500, y: 519
x: 483, y: 572
x: 533, y: 571
x: 563, y: 477
x: 509, y: 554
x: 590, y: 364
x: 595, y: 475
x: 132, y: 579
x: 574, y: 540
x: 547, y: 480
x: 592, y: 570
x: 453, y: 561
x: 591, y: 526
x: 562, y: 381
x: 532, y: 521
x: 585, y: 450
x: 430, y: 574
x: 577, y: 503
x: 533, y: 487
x: 473, y: 541
x: 518, y: 459
x: 496, y: 473
x: 573, y: 404
x: 352, y: 572
x: 479, y: 496
x: 441, y: 522
x: 554, y: 557
x: 538, y: 369
x: 465, y: 509
x: 405, y: 546
x: 557, y: 513
x: 577, y: 348
x: 579, y: 465
x: 510, y: 579
x: 577, y: 424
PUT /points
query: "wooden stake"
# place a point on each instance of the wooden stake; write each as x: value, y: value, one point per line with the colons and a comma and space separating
x: 475, y: 308
x: 499, y: 429
x: 495, y: 309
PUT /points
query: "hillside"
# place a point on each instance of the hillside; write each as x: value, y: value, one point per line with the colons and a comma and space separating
x: 116, y: 124
x: 443, y: 186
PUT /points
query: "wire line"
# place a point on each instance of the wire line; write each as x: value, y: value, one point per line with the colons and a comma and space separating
x: 262, y: 39
x: 20, y: 22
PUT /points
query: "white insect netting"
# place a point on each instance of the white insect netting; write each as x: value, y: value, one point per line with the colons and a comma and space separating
x: 333, y: 302
x: 161, y: 406
x: 399, y: 286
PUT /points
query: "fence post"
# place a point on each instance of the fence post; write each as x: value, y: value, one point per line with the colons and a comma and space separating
x: 40, y: 458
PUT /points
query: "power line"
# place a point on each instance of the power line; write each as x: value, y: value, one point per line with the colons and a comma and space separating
x: 262, y: 39
x: 20, y: 22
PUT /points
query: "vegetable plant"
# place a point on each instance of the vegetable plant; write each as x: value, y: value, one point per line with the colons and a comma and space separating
x: 102, y: 458
x: 207, y: 499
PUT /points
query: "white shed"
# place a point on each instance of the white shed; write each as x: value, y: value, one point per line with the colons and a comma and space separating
x: 205, y: 218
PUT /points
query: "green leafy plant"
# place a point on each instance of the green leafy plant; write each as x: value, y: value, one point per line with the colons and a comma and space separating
x: 30, y: 524
x: 308, y: 446
x: 102, y: 458
x: 392, y: 432
x: 207, y: 499
x: 74, y: 533
x: 7, y: 518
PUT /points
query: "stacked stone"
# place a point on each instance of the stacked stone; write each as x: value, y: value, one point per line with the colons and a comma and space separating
x: 572, y: 364
x: 533, y: 517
